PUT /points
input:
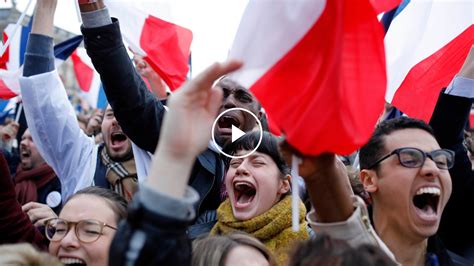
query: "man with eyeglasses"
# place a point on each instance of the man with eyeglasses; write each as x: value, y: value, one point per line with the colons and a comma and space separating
x: 406, y: 173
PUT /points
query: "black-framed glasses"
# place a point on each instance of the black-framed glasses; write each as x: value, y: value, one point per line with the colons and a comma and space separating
x: 86, y: 231
x: 414, y: 157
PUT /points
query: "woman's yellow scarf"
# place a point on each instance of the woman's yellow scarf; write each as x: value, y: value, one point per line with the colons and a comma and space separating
x: 272, y: 228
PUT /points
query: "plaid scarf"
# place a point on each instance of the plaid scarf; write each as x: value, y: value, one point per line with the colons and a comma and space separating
x: 122, y: 176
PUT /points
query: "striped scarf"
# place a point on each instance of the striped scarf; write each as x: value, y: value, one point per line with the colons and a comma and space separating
x: 122, y: 176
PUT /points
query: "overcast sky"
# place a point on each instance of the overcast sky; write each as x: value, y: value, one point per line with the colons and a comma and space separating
x: 213, y: 22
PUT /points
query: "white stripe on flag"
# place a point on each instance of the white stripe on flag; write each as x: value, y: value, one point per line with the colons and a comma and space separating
x: 271, y: 34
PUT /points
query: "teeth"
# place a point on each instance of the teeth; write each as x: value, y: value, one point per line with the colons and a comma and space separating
x: 242, y: 183
x: 71, y: 261
x: 429, y: 190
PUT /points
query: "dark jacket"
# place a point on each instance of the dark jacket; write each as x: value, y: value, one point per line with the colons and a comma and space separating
x: 140, y: 113
x: 457, y: 223
x: 154, y: 234
x: 15, y: 226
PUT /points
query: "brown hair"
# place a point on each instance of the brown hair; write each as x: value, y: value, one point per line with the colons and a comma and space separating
x: 324, y: 250
x: 116, y: 202
x: 213, y: 250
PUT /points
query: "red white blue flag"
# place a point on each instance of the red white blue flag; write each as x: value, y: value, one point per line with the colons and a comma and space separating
x: 164, y: 45
x: 317, y: 67
x: 426, y: 45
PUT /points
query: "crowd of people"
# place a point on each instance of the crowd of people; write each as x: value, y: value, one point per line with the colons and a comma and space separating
x: 140, y: 184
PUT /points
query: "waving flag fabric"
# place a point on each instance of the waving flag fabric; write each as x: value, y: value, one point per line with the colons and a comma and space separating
x: 426, y: 45
x: 317, y: 68
x: 88, y: 79
x: 164, y: 45
x: 12, y: 60
x: 9, y: 79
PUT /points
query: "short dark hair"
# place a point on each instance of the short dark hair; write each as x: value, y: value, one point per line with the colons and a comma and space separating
x: 268, y: 146
x: 117, y: 203
x: 375, y: 148
x: 324, y: 250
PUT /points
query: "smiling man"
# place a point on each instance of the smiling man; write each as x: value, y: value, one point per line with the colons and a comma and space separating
x: 407, y: 175
x: 235, y: 96
x: 35, y: 181
x: 78, y: 161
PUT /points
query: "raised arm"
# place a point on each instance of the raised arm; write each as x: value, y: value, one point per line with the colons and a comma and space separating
x: 449, y: 119
x: 162, y: 227
x: 51, y: 118
x: 328, y: 185
x: 138, y: 111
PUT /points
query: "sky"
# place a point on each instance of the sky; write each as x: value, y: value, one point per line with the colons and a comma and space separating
x: 213, y: 22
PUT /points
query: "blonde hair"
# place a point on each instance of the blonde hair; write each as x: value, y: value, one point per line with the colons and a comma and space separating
x: 25, y: 255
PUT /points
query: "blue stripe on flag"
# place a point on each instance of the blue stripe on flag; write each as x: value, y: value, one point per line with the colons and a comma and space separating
x: 388, y: 17
x: 102, y: 99
x: 65, y: 49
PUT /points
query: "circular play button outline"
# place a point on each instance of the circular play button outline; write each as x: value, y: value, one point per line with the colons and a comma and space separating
x: 214, y: 138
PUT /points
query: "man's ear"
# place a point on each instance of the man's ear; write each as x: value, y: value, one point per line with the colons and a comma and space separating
x: 369, y: 179
x: 285, y: 184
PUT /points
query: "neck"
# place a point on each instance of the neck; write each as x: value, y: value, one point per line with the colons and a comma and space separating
x: 408, y: 250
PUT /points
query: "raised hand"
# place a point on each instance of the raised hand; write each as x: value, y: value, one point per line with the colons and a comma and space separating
x: 38, y: 213
x: 186, y: 129
x: 327, y: 183
x: 44, y: 17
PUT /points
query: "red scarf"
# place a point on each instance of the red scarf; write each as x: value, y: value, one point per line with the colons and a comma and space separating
x: 27, y: 182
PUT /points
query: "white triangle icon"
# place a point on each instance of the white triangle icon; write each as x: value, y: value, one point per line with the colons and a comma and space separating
x: 236, y: 133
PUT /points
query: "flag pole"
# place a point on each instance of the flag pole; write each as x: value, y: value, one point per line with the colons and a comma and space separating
x: 78, y: 12
x: 15, y: 29
x: 18, y: 113
x: 295, y: 201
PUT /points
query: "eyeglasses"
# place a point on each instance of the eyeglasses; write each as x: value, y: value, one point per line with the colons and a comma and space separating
x: 87, y: 231
x: 414, y: 158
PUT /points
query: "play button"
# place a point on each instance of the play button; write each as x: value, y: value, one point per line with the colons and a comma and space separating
x: 236, y: 133
x: 229, y: 126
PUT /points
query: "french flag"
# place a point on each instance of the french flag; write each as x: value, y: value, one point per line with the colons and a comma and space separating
x: 317, y: 67
x: 426, y: 45
x: 12, y: 60
x: 9, y: 77
x: 164, y: 45
x: 88, y: 79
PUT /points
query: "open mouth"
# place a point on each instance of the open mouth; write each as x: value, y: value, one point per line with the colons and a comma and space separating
x: 25, y: 154
x: 118, y: 138
x: 72, y: 261
x: 227, y: 121
x: 426, y: 202
x: 244, y: 193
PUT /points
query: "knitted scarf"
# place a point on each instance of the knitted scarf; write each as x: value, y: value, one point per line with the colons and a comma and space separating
x: 27, y: 182
x: 272, y: 228
x: 122, y: 176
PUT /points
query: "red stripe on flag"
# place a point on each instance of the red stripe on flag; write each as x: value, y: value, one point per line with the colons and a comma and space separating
x: 5, y: 57
x: 5, y: 92
x: 84, y: 74
x: 382, y: 6
x: 419, y: 91
x: 471, y: 120
x: 167, y: 46
x: 327, y: 93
